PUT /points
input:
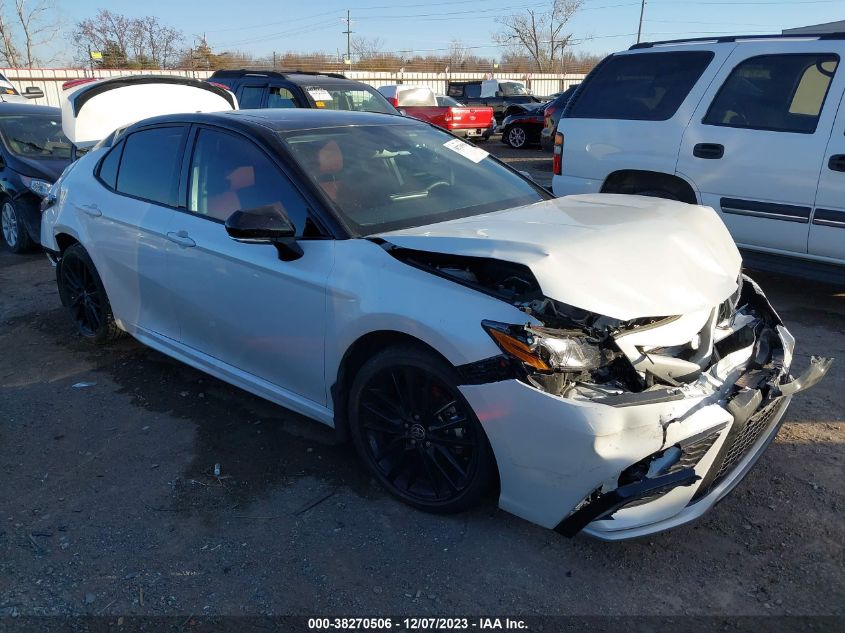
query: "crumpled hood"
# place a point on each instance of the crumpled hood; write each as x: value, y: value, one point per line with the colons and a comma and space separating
x: 621, y: 256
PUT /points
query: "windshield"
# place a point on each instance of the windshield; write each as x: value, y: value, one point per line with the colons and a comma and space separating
x: 389, y: 177
x: 35, y: 136
x: 361, y: 99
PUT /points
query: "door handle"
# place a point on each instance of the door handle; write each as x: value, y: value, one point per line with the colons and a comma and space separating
x: 836, y: 162
x: 712, y: 151
x: 90, y: 209
x: 181, y: 238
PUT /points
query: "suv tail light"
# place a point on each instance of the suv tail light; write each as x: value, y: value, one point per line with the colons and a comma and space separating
x: 557, y: 158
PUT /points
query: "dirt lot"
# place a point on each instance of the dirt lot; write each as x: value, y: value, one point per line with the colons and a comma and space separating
x: 109, y: 503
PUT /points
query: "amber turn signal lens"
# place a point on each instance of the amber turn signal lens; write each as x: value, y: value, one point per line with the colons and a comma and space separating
x: 518, y: 349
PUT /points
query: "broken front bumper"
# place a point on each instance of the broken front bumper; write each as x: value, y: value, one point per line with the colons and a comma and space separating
x: 634, y: 464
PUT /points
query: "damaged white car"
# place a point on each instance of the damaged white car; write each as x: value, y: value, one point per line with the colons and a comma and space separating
x: 600, y: 357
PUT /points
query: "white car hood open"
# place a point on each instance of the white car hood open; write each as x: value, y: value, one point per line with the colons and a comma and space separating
x: 93, y: 110
x: 620, y: 256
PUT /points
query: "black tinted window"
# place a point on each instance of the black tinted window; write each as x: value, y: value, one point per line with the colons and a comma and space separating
x: 642, y: 87
x: 784, y: 93
x: 108, y: 167
x: 229, y: 173
x: 472, y: 91
x: 149, y: 166
x: 251, y: 97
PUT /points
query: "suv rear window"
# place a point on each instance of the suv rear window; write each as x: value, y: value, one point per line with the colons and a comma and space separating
x: 640, y: 87
x: 781, y: 93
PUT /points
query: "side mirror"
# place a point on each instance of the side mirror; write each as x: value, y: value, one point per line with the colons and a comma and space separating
x: 33, y: 92
x: 265, y: 225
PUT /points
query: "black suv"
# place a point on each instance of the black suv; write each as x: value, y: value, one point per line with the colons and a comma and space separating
x: 299, y: 89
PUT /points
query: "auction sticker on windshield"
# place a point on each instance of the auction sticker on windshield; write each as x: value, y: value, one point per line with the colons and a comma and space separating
x: 319, y: 94
x: 475, y: 154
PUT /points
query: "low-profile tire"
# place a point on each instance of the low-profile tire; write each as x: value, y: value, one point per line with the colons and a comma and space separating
x: 14, y: 233
x: 658, y: 193
x: 417, y: 434
x: 82, y: 293
x: 516, y: 136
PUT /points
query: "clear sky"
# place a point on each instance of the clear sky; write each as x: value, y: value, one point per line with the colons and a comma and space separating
x: 601, y: 26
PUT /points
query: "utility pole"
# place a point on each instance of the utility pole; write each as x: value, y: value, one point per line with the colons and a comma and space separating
x: 348, y: 33
x: 640, y: 28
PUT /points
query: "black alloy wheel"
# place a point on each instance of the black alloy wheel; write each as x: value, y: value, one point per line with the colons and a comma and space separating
x: 84, y: 296
x: 417, y: 433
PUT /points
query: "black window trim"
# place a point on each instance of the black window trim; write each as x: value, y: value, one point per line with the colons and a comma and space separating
x: 117, y: 147
x: 122, y: 144
x: 772, y: 129
x: 185, y: 176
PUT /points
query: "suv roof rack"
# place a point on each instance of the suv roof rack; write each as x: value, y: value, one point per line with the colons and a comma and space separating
x: 838, y: 35
x: 278, y: 74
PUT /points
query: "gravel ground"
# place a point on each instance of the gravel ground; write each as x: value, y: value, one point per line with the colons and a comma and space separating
x: 110, y: 503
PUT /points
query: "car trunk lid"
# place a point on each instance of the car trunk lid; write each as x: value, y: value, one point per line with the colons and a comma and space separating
x: 94, y: 109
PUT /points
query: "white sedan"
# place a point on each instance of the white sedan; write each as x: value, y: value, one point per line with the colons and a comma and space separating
x: 601, y: 358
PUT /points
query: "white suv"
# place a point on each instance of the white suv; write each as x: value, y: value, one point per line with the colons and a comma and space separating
x: 751, y: 126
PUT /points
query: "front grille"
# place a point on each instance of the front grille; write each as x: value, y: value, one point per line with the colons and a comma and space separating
x: 738, y: 444
x: 747, y: 437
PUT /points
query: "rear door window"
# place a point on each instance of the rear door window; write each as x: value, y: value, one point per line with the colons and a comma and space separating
x: 149, y: 166
x: 640, y: 87
x: 251, y: 97
x: 782, y: 93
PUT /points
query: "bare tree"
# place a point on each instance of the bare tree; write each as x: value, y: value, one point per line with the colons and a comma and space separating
x: 458, y: 54
x: 539, y: 32
x: 8, y: 49
x: 367, y: 47
x: 38, y: 24
x: 130, y: 42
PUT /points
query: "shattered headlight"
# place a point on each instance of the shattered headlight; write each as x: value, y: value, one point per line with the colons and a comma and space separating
x: 546, y: 349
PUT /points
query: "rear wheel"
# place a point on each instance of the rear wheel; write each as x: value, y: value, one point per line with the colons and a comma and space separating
x: 416, y: 432
x: 14, y: 232
x: 83, y: 294
x: 516, y: 137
